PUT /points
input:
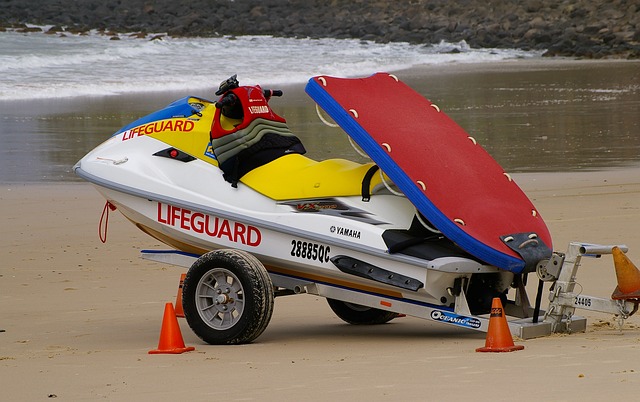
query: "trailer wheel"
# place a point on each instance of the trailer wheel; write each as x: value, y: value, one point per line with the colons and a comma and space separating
x: 227, y: 297
x: 360, y: 315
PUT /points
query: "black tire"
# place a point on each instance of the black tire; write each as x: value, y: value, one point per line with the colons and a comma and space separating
x: 360, y: 315
x: 227, y: 297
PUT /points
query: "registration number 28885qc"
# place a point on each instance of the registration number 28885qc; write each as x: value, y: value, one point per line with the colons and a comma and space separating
x: 310, y: 251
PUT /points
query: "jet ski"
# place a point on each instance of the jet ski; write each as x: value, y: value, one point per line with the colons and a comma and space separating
x: 432, y: 227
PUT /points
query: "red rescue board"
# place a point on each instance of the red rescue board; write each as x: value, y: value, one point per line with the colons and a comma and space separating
x: 450, y: 178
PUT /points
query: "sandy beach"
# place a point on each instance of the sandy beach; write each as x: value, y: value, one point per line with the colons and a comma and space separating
x: 80, y: 316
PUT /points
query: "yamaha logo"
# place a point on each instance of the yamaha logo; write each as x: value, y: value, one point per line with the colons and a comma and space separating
x: 355, y: 234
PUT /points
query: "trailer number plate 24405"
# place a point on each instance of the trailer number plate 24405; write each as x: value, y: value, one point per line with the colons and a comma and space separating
x: 582, y: 301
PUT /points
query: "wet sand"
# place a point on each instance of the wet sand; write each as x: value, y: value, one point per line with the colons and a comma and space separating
x: 530, y: 115
x: 80, y: 316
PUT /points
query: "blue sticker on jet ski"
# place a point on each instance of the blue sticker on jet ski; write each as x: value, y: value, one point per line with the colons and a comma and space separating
x: 451, y: 318
x: 209, y: 151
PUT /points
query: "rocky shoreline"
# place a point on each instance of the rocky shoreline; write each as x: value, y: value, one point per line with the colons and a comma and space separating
x: 571, y: 28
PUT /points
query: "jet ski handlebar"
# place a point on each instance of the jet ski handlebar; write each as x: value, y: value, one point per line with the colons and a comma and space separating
x: 230, y: 98
x: 268, y: 93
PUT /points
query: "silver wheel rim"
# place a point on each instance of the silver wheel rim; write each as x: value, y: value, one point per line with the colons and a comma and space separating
x: 220, y: 299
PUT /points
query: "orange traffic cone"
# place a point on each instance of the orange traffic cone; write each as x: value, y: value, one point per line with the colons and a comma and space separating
x: 179, y: 310
x: 170, y: 336
x: 498, y: 337
x: 628, y: 276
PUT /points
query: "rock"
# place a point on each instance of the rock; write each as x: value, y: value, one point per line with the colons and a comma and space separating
x: 579, y: 28
x: 54, y: 30
x: 29, y: 29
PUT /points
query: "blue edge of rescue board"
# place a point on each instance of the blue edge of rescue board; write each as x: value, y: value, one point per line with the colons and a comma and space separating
x: 400, y: 178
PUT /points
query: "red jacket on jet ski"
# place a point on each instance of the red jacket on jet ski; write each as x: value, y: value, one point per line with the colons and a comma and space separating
x: 246, y: 132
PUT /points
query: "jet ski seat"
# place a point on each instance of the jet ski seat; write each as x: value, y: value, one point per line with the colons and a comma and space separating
x: 296, y: 176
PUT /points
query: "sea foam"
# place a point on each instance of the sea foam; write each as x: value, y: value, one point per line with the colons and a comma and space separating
x: 36, y: 65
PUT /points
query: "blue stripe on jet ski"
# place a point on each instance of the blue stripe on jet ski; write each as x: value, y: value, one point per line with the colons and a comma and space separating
x: 397, y: 175
x: 178, y: 108
x: 169, y: 252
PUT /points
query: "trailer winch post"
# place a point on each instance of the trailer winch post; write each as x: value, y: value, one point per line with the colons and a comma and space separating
x: 563, y: 301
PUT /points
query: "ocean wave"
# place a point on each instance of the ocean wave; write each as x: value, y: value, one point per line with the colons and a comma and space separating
x: 36, y: 65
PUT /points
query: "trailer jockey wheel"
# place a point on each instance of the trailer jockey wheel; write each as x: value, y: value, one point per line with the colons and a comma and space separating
x: 360, y: 315
x: 227, y: 297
